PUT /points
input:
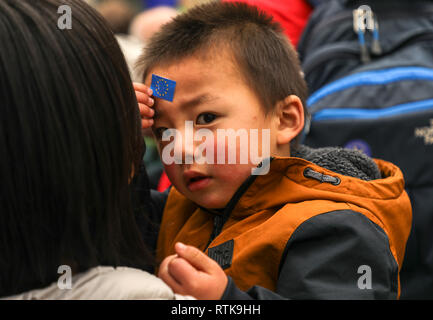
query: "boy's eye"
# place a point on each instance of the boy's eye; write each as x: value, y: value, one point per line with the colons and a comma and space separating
x: 206, y: 118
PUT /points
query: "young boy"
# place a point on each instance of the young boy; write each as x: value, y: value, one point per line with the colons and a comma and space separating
x: 308, y: 223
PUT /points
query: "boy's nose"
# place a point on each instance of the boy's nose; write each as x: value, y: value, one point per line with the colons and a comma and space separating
x: 184, y: 147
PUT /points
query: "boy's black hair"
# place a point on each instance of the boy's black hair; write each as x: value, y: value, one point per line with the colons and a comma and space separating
x: 266, y: 59
x: 70, y: 139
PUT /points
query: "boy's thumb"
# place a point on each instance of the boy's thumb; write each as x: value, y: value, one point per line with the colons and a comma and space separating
x: 194, y: 256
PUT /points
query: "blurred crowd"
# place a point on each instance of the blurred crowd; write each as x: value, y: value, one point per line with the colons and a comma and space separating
x: 135, y: 21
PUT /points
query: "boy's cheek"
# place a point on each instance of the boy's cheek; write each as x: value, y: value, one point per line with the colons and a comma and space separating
x: 223, y: 152
x: 172, y: 172
x: 170, y: 169
x: 232, y: 175
x: 228, y: 151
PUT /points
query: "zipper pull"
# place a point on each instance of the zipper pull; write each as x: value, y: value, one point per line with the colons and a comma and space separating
x: 365, y: 55
x: 376, y: 47
x: 363, y: 21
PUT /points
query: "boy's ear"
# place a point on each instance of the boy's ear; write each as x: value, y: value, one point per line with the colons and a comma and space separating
x: 290, y: 113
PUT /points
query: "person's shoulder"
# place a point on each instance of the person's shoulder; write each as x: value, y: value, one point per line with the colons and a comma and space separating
x: 106, y: 283
x: 122, y: 283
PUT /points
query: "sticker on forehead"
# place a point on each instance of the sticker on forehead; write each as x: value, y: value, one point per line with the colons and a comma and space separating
x: 163, y: 88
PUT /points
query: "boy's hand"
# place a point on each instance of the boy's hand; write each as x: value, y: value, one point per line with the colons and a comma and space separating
x: 145, y: 103
x: 191, y: 272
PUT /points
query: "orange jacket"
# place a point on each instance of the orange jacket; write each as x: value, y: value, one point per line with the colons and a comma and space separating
x: 302, y: 231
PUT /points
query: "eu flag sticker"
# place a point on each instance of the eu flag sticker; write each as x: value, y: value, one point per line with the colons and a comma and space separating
x: 163, y: 88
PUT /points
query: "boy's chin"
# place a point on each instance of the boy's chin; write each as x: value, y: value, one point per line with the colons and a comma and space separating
x: 212, y: 202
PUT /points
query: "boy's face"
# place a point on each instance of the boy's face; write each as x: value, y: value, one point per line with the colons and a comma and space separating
x: 211, y: 94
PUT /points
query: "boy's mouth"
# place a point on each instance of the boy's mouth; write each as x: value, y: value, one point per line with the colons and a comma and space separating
x: 196, y: 180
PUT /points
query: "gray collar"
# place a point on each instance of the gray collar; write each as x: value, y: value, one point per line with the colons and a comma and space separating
x: 348, y: 162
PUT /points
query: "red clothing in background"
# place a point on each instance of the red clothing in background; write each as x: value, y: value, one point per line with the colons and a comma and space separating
x: 291, y: 14
x: 164, y: 182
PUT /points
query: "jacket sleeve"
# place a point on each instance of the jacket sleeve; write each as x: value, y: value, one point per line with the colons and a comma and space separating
x: 336, y: 255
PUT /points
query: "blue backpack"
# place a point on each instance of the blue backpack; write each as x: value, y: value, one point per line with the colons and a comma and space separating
x: 369, y: 68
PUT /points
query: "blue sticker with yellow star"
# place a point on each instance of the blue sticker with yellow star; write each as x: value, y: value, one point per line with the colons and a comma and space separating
x: 163, y: 88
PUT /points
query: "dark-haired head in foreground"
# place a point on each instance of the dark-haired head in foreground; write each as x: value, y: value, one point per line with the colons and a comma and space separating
x: 69, y: 142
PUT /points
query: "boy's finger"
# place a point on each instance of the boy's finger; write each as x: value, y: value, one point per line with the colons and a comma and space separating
x: 182, y: 271
x: 164, y: 274
x: 163, y: 267
x: 146, y: 123
x: 143, y: 88
x: 168, y: 258
x: 146, y: 111
x: 144, y: 98
x: 195, y: 257
x: 171, y: 282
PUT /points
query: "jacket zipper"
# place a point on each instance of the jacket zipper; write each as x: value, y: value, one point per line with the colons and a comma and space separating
x: 220, y: 219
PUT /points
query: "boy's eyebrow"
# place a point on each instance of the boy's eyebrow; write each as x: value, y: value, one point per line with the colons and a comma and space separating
x: 200, y: 99
x: 203, y: 98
